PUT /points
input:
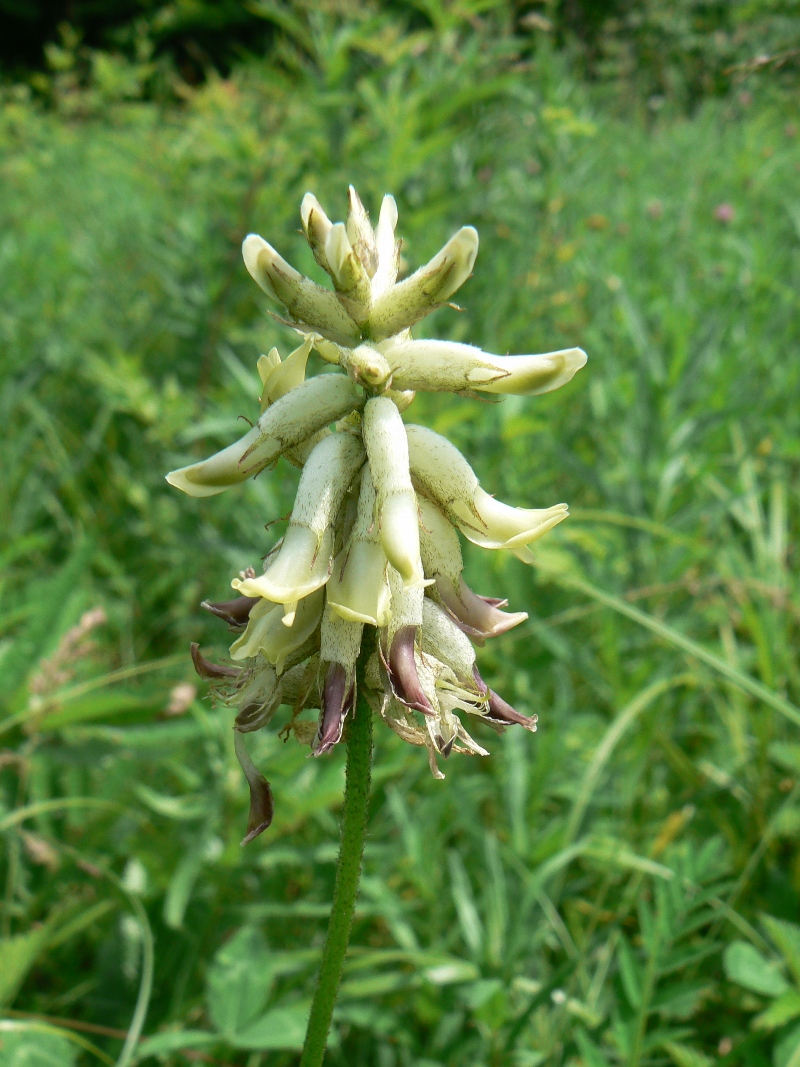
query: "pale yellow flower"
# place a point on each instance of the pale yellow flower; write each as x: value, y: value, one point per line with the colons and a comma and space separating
x: 373, y: 538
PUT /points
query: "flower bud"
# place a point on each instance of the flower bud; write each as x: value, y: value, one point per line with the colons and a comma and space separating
x: 436, y: 366
x: 284, y: 425
x: 348, y: 273
x: 316, y: 227
x: 440, y: 637
x: 366, y: 366
x: 398, y: 525
x: 387, y: 247
x: 411, y: 300
x: 360, y: 232
x: 306, y: 301
x: 279, y: 378
x: 235, y: 612
x: 208, y: 670
x: 257, y: 698
x: 340, y: 643
x: 358, y: 589
x: 399, y: 645
x: 261, y: 805
x: 441, y: 471
x: 303, y: 562
x: 280, y: 645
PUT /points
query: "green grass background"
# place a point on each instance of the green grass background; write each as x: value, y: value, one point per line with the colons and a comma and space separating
x: 572, y: 899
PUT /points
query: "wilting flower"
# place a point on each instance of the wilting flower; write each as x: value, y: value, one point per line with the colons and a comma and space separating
x: 373, y: 538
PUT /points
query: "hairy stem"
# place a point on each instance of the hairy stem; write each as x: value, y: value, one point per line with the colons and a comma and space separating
x: 348, y: 872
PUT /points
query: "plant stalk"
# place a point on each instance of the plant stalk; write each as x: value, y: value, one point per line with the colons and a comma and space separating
x: 348, y: 872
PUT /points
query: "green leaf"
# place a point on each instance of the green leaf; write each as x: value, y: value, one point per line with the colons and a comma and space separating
x: 786, y: 937
x: 589, y: 1051
x: 180, y: 886
x: 786, y: 754
x: 787, y: 1050
x: 780, y: 1011
x: 21, y: 1048
x: 747, y: 967
x: 685, y: 1055
x: 239, y: 982
x: 96, y: 706
x: 17, y: 955
x: 630, y: 973
x: 280, y: 1028
x: 174, y: 1041
x: 183, y: 808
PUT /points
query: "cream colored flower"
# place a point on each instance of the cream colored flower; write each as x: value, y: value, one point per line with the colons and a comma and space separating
x: 292, y: 419
x: 303, y: 562
x: 442, y: 473
x: 373, y: 538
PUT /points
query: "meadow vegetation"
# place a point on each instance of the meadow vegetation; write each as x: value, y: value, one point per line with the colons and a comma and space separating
x: 621, y: 888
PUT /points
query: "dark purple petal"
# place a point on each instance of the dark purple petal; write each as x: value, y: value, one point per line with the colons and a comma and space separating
x: 403, y: 671
x: 337, y: 700
x: 234, y: 612
x: 502, y: 713
x: 262, y: 808
x: 206, y: 669
x: 483, y: 688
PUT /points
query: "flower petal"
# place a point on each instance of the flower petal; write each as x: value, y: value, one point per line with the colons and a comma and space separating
x: 266, y: 634
x: 282, y: 377
x: 306, y: 301
x: 458, y: 368
x: 262, y: 808
x: 439, y: 469
x: 411, y: 300
x: 480, y: 619
x: 388, y: 248
x: 295, y: 417
x: 396, y: 503
x: 360, y: 232
x: 316, y: 227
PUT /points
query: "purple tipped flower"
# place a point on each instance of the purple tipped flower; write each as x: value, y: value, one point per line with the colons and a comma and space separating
x: 403, y: 671
x: 502, y: 713
x: 234, y: 612
x: 337, y: 701
x: 479, y: 617
x: 206, y: 669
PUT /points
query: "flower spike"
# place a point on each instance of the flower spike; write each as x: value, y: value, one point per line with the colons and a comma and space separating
x: 373, y: 537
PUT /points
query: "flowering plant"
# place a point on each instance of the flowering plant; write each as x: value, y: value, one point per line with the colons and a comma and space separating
x: 373, y: 535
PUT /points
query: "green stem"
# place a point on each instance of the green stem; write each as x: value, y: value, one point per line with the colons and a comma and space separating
x: 348, y: 872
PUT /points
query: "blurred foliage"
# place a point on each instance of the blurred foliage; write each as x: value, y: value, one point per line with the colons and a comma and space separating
x: 683, y: 50
x: 618, y: 889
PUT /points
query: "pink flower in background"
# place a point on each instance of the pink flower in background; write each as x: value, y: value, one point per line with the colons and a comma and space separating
x: 724, y: 213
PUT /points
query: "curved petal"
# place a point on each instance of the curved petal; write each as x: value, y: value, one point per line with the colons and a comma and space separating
x: 396, y: 502
x: 403, y: 304
x: 267, y: 636
x: 306, y: 301
x: 296, y: 416
x: 436, y: 366
x: 443, y: 473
